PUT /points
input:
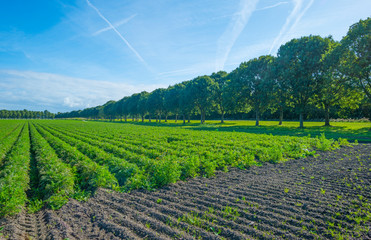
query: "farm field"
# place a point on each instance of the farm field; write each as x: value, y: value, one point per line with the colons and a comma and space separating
x: 45, y: 164
x: 319, y: 197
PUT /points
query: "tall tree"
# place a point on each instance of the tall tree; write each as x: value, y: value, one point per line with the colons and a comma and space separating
x: 185, y: 105
x: 334, y: 87
x: 172, y: 99
x: 155, y: 102
x: 300, y: 60
x: 358, y: 43
x: 142, y: 104
x: 253, y: 84
x: 109, y: 109
x: 132, y: 105
x: 201, y: 93
x: 281, y: 92
x: 125, y: 107
x: 220, y: 79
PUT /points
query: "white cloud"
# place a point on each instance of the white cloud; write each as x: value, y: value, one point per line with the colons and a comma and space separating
x: 60, y: 93
x: 233, y: 31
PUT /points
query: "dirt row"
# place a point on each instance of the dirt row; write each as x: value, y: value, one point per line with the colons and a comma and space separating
x: 322, y: 197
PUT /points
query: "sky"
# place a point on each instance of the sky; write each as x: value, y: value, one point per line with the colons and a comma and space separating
x: 64, y: 55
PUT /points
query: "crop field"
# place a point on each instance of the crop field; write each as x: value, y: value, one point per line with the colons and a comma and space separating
x: 130, y: 181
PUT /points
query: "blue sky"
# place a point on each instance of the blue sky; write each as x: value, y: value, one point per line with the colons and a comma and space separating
x: 63, y: 55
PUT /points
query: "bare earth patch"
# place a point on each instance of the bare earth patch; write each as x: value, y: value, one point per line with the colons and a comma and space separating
x: 323, y: 197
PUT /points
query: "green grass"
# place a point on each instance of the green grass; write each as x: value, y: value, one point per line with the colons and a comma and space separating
x: 360, y: 131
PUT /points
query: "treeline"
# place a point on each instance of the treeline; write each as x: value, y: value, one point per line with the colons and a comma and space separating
x: 25, y: 114
x: 311, y: 77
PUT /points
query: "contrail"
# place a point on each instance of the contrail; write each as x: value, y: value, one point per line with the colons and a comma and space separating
x: 116, y: 25
x: 295, y: 17
x: 118, y: 33
x: 272, y: 6
x: 294, y: 12
x: 233, y: 31
x: 301, y: 15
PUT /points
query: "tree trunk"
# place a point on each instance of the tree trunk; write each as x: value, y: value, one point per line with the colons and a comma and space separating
x: 149, y: 117
x: 327, y: 115
x: 203, y: 117
x: 142, y: 118
x: 133, y: 118
x: 184, y: 118
x: 281, y: 116
x: 165, y: 118
x: 301, y: 120
x: 189, y: 118
x: 222, y: 117
x: 257, y: 117
x: 126, y: 118
x: 159, y: 118
x: 176, y: 117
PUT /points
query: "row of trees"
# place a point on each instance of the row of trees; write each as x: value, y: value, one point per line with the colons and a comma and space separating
x: 25, y: 114
x: 308, y: 72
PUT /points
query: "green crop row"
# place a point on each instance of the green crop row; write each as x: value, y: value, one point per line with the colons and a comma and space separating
x: 140, y: 172
x: 62, y: 159
x: 8, y: 141
x: 56, y: 178
x: 7, y: 127
x: 165, y: 155
x: 119, y: 167
x: 14, y: 177
x: 90, y: 175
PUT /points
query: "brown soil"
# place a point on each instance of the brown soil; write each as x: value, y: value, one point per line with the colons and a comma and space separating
x: 300, y: 199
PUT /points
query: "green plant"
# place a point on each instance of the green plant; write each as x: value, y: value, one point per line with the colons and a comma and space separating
x: 230, y: 213
x: 35, y: 205
x: 57, y: 201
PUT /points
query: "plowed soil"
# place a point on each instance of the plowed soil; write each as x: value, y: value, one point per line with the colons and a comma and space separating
x: 321, y: 197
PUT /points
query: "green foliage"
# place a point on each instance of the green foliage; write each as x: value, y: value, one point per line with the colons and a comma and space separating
x: 200, y: 92
x: 230, y: 213
x: 252, y: 85
x: 164, y: 171
x: 57, y: 201
x: 190, y: 167
x: 81, y: 195
x: 299, y: 61
x: 356, y: 45
x: 90, y: 174
x: 323, y: 143
x: 34, y: 205
x: 311, y: 75
x: 14, y: 178
x: 70, y: 159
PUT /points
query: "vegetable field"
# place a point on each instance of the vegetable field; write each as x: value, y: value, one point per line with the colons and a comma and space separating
x: 44, y: 164
x: 50, y: 161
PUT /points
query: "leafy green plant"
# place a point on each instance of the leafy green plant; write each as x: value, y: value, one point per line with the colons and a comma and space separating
x: 35, y: 205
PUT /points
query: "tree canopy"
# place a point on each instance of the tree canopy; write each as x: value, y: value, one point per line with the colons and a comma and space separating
x: 311, y: 77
